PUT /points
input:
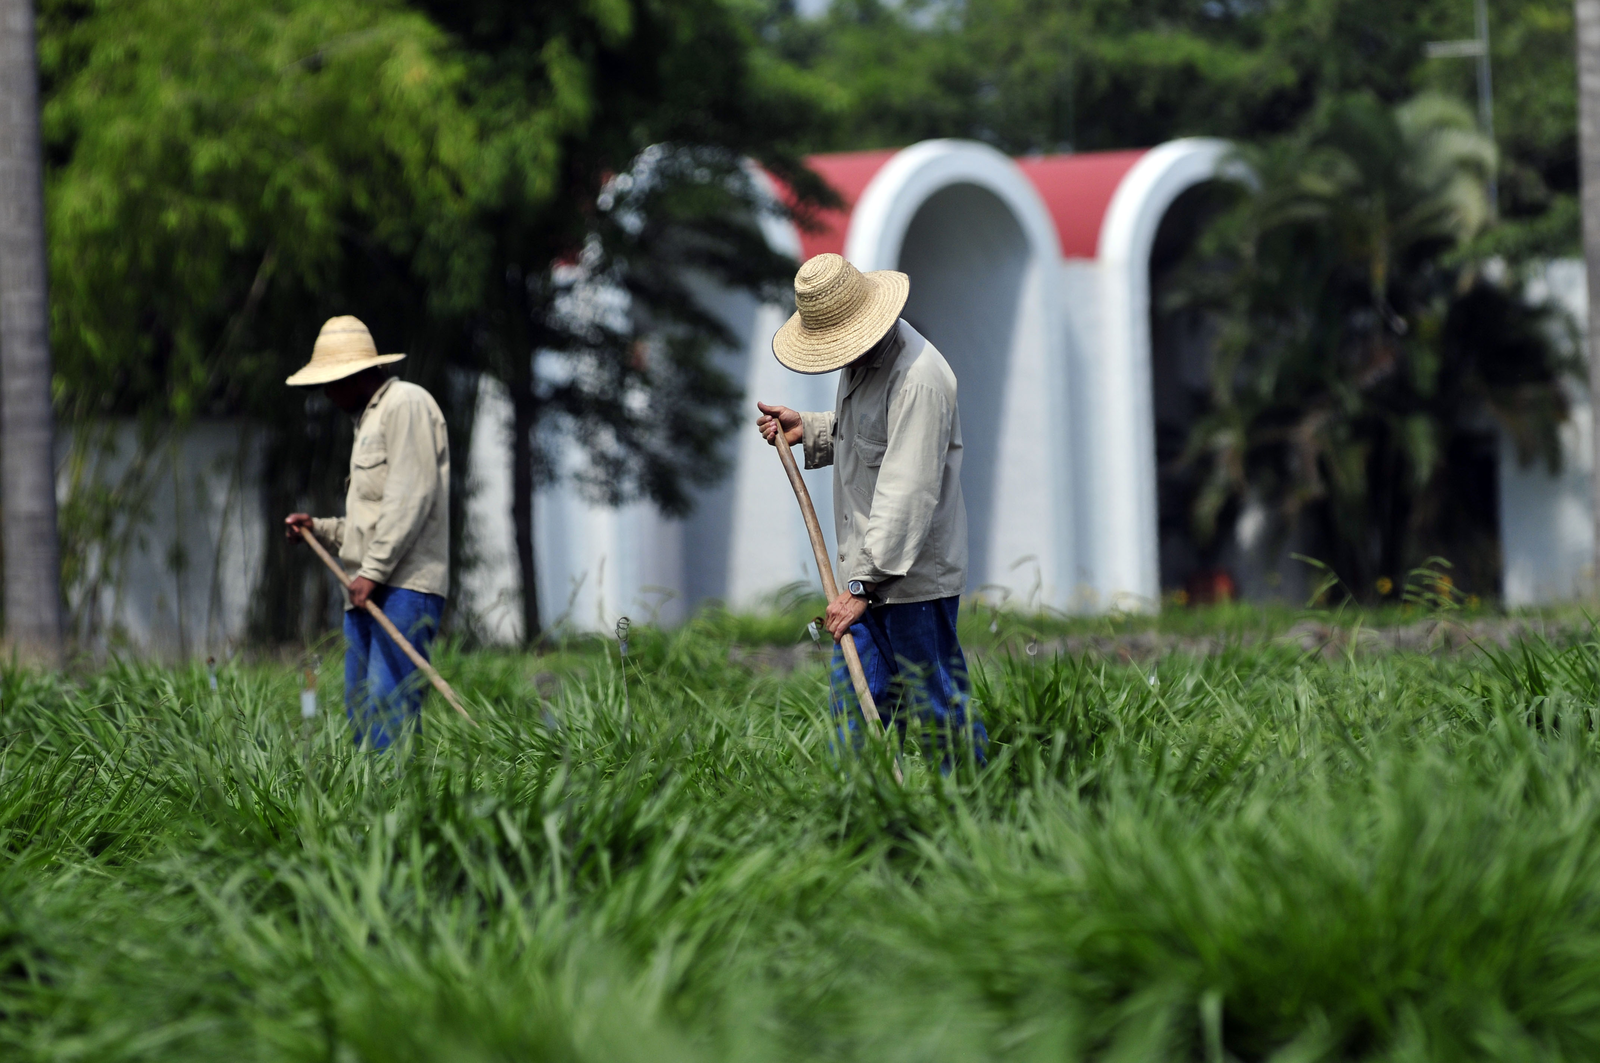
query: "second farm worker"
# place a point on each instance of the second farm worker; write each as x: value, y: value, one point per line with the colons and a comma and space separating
x: 894, y: 441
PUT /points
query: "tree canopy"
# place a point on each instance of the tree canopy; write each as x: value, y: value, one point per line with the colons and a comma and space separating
x: 1042, y: 76
x: 217, y: 166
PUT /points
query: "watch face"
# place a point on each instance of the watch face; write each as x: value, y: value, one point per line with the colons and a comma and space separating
x: 856, y: 588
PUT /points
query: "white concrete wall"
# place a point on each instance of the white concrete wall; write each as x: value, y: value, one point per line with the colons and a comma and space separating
x: 490, y: 593
x: 1080, y: 282
x: 595, y: 563
x: 1546, y: 523
x: 174, y: 579
x: 991, y: 338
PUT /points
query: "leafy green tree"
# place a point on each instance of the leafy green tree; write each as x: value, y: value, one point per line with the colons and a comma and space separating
x: 212, y: 156
x: 1361, y: 359
x: 1041, y: 75
x: 224, y: 177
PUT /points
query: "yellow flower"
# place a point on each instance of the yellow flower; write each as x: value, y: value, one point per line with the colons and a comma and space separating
x: 1384, y: 584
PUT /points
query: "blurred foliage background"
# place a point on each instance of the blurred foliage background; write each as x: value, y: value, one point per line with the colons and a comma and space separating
x: 1090, y: 75
x: 223, y: 176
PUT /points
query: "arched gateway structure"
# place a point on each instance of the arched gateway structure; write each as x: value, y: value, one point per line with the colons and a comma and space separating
x: 1032, y: 276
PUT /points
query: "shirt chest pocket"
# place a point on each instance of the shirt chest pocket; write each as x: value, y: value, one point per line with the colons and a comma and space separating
x: 369, y: 471
x: 871, y: 436
x: 869, y: 450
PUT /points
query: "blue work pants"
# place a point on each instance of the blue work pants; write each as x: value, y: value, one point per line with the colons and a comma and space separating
x: 383, y: 690
x: 915, y: 670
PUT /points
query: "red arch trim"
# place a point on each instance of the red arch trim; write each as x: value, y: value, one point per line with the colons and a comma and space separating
x: 1076, y: 190
x: 847, y: 173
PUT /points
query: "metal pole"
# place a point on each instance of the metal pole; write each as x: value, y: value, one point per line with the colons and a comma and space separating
x: 1486, y: 94
x: 1587, y: 17
x: 1485, y: 84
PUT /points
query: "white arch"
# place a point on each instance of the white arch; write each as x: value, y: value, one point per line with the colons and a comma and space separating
x: 1029, y: 531
x: 1115, y: 432
x: 897, y: 191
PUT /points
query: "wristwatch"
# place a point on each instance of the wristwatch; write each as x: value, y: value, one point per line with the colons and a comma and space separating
x: 858, y: 589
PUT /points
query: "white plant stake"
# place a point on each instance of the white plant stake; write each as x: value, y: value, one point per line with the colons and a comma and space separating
x: 308, y: 706
x: 815, y: 629
x: 623, y: 626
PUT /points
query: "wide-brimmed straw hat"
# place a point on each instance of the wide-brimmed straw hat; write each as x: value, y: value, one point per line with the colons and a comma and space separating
x: 344, y: 348
x: 841, y: 312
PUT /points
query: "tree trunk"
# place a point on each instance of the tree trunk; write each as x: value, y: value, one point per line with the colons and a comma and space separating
x: 27, y: 422
x: 517, y: 347
x: 524, y: 419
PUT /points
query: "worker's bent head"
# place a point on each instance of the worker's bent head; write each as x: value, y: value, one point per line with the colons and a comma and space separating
x: 840, y: 314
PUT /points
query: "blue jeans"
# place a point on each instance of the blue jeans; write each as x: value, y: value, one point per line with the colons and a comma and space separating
x: 914, y: 667
x: 382, y: 689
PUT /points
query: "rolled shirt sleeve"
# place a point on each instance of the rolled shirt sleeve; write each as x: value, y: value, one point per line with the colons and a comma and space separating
x: 410, y: 491
x: 817, y: 438
x: 907, y: 491
x: 330, y: 530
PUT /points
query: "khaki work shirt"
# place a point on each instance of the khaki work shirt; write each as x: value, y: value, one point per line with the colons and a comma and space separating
x: 396, y: 527
x: 894, y: 441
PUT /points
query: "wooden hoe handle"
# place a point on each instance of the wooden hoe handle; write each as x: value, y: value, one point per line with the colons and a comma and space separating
x: 819, y: 547
x: 388, y: 625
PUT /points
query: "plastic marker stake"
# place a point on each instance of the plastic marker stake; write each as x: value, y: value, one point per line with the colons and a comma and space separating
x: 623, y: 626
x: 211, y: 670
x: 308, y: 708
x: 308, y: 695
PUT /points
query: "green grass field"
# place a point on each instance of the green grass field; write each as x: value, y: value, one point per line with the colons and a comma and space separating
x: 1262, y: 853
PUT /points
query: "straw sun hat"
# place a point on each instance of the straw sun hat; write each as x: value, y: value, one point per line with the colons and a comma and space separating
x: 841, y: 312
x: 344, y: 348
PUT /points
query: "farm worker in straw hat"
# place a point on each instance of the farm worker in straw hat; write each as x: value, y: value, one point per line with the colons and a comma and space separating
x: 894, y: 441
x: 395, y: 534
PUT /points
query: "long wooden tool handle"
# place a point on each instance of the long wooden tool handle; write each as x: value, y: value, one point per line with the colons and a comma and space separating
x: 388, y: 625
x: 819, y: 547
